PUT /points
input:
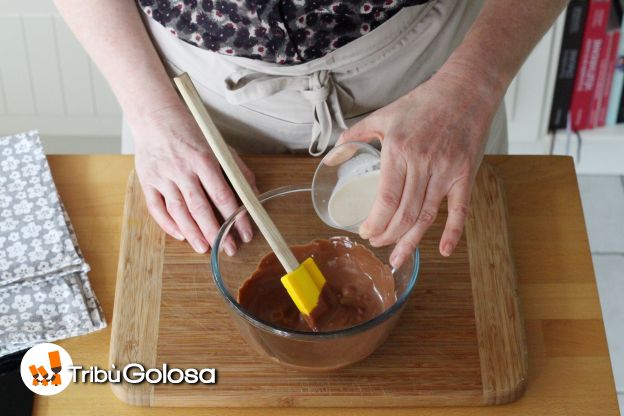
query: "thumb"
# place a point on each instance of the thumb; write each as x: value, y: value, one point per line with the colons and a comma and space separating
x: 364, y: 130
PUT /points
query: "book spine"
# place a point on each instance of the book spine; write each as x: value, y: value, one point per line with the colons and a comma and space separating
x: 587, y: 70
x: 617, y: 85
x: 620, y: 114
x: 573, y: 27
x: 596, y: 104
x: 609, y: 73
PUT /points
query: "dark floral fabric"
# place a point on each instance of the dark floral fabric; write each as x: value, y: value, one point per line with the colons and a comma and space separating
x: 279, y: 31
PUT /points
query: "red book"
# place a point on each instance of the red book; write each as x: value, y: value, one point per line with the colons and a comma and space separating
x: 587, y: 69
x: 595, y: 106
x: 611, y: 63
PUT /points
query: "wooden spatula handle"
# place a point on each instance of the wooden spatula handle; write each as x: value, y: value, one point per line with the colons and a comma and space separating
x: 234, y: 174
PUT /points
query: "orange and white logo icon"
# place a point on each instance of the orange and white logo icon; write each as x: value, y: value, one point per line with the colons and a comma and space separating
x: 45, y: 369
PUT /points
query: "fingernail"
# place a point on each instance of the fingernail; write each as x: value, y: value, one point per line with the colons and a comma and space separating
x: 374, y: 243
x: 447, y: 250
x: 364, y: 232
x: 396, y: 260
x: 199, y: 246
x: 246, y: 236
x: 229, y: 249
x: 178, y: 236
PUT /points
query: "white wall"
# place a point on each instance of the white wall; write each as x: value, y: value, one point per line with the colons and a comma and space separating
x: 47, y: 82
x: 599, y: 151
x: 529, y: 96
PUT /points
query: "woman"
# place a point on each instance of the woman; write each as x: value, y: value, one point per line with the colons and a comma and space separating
x: 427, y: 78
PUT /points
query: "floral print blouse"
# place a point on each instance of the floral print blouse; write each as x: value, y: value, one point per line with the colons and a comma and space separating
x: 279, y: 31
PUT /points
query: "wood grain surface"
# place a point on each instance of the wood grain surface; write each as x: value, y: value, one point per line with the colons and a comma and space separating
x: 569, y: 367
x: 449, y: 348
x: 136, y: 332
x: 500, y: 327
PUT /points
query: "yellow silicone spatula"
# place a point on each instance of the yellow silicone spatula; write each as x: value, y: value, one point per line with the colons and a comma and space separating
x: 304, y: 281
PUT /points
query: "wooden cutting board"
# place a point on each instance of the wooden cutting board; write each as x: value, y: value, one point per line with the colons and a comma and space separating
x: 460, y: 340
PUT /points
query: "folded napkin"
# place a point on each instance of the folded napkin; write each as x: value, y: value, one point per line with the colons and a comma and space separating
x: 45, y: 294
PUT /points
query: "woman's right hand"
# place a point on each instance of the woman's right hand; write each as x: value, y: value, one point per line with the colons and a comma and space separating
x: 182, y: 180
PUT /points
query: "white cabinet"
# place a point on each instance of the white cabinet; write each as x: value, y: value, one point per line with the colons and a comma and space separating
x: 47, y: 82
x: 528, y: 103
x: 529, y: 96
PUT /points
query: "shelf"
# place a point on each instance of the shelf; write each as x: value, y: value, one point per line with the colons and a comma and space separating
x: 601, y: 152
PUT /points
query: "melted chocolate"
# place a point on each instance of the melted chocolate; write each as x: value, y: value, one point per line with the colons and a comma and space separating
x: 359, y: 287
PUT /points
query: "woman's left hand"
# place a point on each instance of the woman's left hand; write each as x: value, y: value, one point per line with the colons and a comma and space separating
x: 433, y: 141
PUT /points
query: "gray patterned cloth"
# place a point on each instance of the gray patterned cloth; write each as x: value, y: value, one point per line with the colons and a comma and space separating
x: 45, y: 294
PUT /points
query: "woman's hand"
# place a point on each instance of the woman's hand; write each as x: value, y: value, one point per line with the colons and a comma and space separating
x: 433, y: 141
x: 182, y: 180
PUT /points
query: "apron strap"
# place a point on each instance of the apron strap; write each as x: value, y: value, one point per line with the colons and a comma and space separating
x: 318, y: 88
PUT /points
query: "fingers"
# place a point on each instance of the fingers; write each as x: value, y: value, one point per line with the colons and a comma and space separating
x: 340, y: 154
x: 243, y: 223
x: 203, y: 214
x: 364, y: 130
x: 406, y: 215
x: 391, y: 183
x: 225, y: 201
x: 458, y: 207
x: 158, y: 211
x: 428, y: 213
x: 178, y: 210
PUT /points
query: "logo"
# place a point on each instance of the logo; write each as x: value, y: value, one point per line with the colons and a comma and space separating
x: 45, y: 369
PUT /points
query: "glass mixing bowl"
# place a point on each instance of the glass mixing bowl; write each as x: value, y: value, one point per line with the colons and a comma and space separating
x: 292, y: 211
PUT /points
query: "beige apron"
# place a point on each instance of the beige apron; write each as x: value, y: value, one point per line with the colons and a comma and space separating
x: 263, y: 107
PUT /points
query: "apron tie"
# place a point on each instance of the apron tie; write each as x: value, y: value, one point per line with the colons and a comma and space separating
x: 318, y: 88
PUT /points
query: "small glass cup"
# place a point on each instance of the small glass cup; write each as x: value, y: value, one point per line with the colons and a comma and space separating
x: 345, y: 185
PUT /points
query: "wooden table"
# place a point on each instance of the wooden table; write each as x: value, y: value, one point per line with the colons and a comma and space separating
x: 569, y: 366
